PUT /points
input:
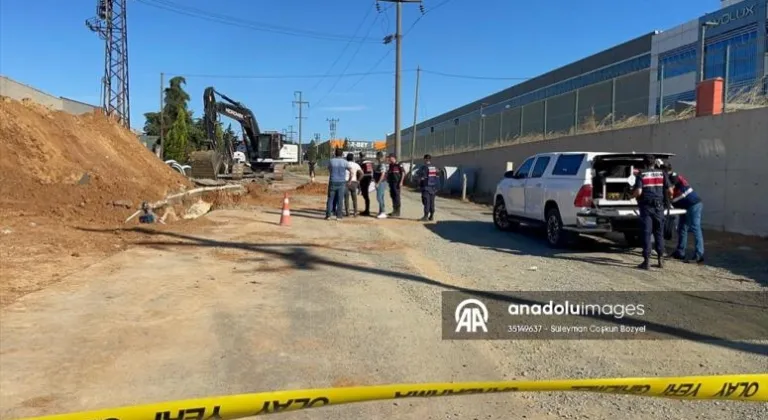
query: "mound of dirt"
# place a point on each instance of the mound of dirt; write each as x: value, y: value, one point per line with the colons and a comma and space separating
x: 85, y: 167
x: 313, y: 189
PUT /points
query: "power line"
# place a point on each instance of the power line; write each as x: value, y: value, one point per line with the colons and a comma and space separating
x: 465, y: 76
x: 439, y: 5
x: 247, y: 24
x: 354, y: 55
x: 362, y: 22
x: 276, y: 76
x: 372, y: 70
x: 362, y: 75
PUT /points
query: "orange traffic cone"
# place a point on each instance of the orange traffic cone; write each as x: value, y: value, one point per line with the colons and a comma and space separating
x: 285, y: 217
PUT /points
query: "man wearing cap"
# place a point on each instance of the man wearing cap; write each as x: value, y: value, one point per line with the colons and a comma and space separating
x: 428, y: 180
x: 395, y: 179
x: 650, y: 187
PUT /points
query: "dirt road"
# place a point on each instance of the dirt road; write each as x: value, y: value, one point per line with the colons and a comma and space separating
x: 244, y: 305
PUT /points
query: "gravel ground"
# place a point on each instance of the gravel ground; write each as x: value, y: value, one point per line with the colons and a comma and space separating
x: 247, y: 306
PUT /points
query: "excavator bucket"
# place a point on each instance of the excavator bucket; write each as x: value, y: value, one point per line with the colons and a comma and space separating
x: 205, y: 164
x: 278, y: 169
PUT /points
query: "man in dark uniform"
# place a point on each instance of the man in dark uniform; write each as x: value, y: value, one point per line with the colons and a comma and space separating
x: 395, y: 179
x: 428, y: 180
x: 650, y: 187
x: 365, y: 183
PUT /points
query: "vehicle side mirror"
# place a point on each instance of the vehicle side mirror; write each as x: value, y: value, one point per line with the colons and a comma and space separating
x: 509, y: 174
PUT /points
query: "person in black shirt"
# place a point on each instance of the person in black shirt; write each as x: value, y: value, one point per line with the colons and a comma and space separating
x: 650, y: 189
x: 395, y: 179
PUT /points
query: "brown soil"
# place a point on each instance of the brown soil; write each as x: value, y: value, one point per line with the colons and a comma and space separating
x: 313, y: 189
x: 74, y: 167
x: 65, y: 181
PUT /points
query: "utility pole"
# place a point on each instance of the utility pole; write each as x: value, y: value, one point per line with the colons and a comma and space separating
x: 415, y: 115
x: 332, y: 124
x: 301, y: 116
x: 162, y: 116
x: 290, y: 133
x: 110, y: 23
x: 398, y: 68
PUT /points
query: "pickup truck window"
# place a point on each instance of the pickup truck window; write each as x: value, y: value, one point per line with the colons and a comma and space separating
x: 522, y: 171
x: 540, y: 166
x: 568, y: 164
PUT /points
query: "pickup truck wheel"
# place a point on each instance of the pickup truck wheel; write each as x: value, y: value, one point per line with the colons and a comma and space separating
x: 634, y: 240
x: 501, y: 219
x: 556, y: 236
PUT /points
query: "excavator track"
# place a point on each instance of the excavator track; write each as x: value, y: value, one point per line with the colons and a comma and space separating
x: 205, y: 164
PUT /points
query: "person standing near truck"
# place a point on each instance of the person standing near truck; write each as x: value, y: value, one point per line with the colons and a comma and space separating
x: 650, y: 187
x: 428, y: 180
x: 395, y: 179
x: 365, y: 183
x: 684, y: 197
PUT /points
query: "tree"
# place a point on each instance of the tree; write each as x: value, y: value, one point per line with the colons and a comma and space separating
x: 175, y: 105
x: 177, y: 138
x: 312, y: 151
x: 346, y: 144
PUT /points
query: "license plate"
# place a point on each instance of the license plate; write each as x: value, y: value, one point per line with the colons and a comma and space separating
x: 614, y: 196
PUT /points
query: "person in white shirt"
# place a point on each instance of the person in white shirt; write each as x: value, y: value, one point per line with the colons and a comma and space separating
x: 354, y: 174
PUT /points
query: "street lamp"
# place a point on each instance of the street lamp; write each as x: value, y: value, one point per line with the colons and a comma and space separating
x: 704, y: 27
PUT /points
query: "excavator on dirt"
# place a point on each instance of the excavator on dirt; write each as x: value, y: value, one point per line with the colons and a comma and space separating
x: 264, y: 151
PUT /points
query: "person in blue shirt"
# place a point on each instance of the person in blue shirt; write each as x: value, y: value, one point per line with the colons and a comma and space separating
x: 337, y: 184
x: 650, y: 188
x: 684, y: 197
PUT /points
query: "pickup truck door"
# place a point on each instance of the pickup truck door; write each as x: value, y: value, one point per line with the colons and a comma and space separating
x: 535, y: 189
x: 516, y: 192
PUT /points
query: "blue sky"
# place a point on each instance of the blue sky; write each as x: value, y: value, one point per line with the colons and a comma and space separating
x: 45, y: 43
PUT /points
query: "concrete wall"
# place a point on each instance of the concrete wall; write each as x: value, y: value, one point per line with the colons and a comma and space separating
x: 725, y: 157
x: 19, y: 91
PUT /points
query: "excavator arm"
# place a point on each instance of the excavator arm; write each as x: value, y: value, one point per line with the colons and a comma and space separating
x: 238, y: 112
x: 261, y: 148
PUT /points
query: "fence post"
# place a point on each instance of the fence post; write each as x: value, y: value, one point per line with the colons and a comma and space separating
x: 661, y: 94
x: 522, y: 109
x: 576, y: 113
x: 613, y: 101
x: 727, y: 76
x: 545, y: 119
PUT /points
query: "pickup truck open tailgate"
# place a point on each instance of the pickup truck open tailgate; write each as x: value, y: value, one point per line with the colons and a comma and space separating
x: 622, y: 212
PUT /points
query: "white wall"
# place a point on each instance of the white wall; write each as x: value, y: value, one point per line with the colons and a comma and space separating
x: 19, y: 91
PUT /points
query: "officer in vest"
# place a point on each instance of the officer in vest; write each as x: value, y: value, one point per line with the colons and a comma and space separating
x: 428, y: 181
x: 650, y: 187
x: 395, y: 179
x: 365, y: 182
x: 684, y: 197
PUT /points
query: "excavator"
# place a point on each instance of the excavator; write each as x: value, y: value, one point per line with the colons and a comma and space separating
x: 264, y: 151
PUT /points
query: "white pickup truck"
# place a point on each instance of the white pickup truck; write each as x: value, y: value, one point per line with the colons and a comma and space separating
x: 572, y: 193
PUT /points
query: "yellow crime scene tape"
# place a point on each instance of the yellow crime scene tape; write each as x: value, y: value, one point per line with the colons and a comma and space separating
x: 747, y: 387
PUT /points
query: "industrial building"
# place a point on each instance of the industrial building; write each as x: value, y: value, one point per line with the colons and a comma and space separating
x: 609, y: 86
x: 736, y: 33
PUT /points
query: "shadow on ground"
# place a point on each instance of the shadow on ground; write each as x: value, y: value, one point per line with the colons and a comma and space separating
x: 300, y: 257
x: 530, y: 241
